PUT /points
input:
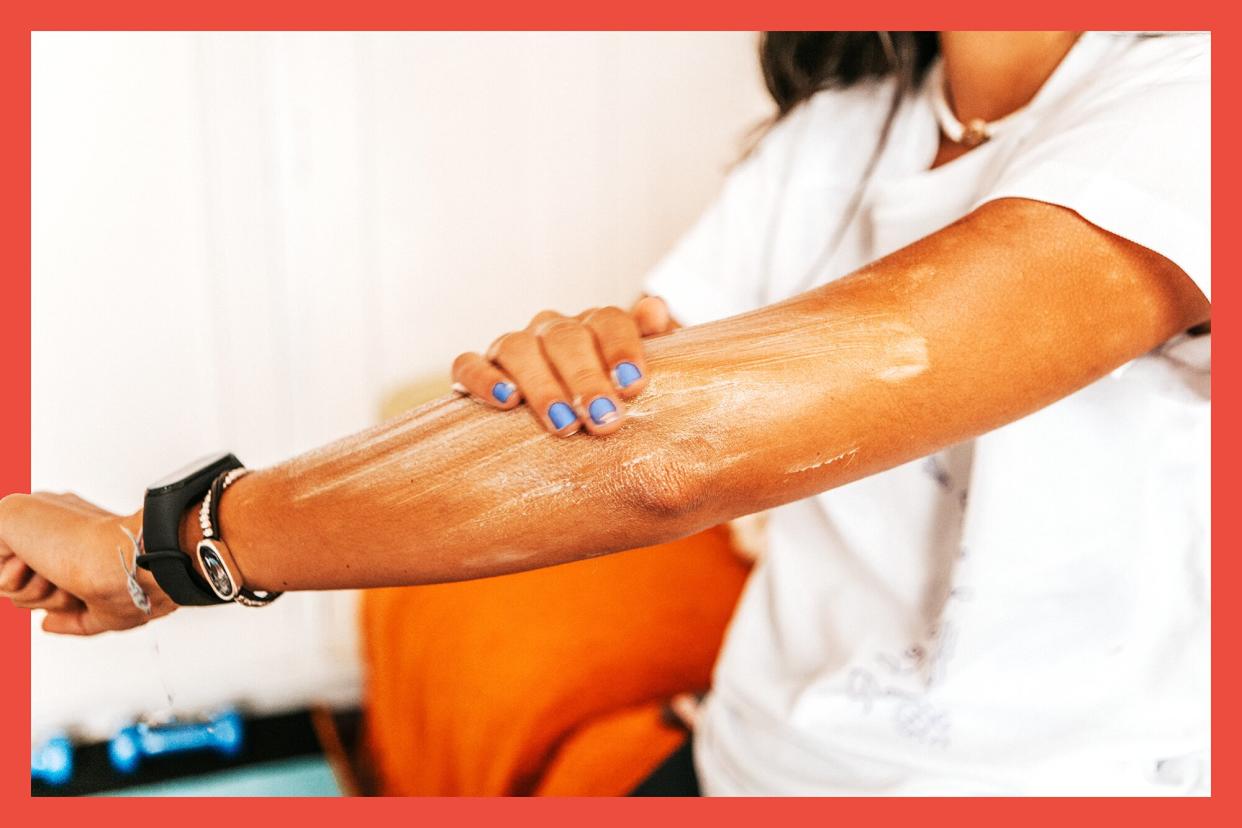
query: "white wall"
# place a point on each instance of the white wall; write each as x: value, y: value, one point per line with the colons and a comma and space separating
x: 246, y: 240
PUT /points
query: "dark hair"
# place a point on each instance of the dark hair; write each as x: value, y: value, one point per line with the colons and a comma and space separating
x: 796, y: 65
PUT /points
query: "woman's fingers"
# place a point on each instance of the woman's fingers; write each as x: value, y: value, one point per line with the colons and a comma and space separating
x: 652, y: 316
x: 474, y: 375
x: 570, y: 347
x: 521, y: 357
x: 74, y: 621
x: 58, y: 601
x: 36, y: 589
x: 620, y: 345
x: 28, y: 589
x: 685, y: 706
x: 14, y: 575
x: 51, y: 599
x: 573, y: 372
x: 542, y: 318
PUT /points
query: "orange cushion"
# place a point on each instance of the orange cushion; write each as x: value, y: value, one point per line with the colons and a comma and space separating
x: 474, y: 688
x: 611, y: 754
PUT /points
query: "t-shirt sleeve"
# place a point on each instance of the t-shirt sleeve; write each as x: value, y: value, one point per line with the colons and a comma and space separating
x: 715, y: 269
x: 1133, y: 156
x: 722, y: 266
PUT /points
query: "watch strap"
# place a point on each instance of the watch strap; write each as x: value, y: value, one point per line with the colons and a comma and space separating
x: 175, y: 574
x: 163, y: 557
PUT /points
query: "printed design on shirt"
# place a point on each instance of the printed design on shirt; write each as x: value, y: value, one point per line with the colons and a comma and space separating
x: 914, y: 718
x: 897, y: 686
x: 937, y: 472
x: 888, y: 688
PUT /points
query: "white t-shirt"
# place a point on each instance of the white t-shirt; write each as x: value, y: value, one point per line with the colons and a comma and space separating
x: 1026, y: 613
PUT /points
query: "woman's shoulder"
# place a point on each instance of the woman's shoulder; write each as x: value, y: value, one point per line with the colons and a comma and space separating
x: 1177, y: 55
x: 1146, y: 60
x: 1125, y: 80
x: 829, y: 121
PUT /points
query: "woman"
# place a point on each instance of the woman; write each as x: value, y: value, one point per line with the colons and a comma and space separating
x: 989, y: 442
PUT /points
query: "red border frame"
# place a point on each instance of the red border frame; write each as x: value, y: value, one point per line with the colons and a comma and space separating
x: 22, y: 17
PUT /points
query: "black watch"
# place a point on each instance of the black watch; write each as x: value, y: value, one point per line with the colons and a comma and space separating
x: 163, y: 507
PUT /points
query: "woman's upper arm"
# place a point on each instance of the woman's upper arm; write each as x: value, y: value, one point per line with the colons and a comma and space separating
x: 1035, y: 302
x: 1089, y: 246
x: 1011, y: 308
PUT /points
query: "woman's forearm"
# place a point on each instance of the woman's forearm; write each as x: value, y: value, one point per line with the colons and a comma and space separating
x: 981, y: 323
x: 453, y: 490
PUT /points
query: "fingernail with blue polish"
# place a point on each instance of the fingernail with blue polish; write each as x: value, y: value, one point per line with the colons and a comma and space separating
x: 561, y: 415
x: 627, y: 374
x: 502, y: 391
x: 602, y: 411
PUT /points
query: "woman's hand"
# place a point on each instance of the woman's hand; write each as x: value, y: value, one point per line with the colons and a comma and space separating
x: 64, y: 555
x: 572, y: 371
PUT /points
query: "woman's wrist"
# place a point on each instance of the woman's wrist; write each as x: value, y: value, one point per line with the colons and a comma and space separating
x: 161, y: 604
x: 188, y: 535
x: 248, y: 510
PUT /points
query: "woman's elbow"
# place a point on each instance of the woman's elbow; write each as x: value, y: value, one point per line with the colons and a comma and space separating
x: 667, y: 490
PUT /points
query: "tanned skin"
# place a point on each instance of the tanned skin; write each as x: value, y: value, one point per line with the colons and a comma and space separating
x: 1009, y: 309
x: 1003, y: 312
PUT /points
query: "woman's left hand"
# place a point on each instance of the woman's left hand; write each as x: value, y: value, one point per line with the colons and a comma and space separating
x: 573, y: 371
x: 64, y: 555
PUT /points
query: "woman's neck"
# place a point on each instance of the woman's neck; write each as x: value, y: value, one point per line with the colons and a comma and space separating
x: 991, y: 74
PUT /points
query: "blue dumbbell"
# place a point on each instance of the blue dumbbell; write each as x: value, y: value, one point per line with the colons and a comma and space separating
x: 52, y: 761
x: 221, y: 733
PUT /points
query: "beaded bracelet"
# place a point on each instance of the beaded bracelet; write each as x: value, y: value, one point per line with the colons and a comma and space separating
x: 213, y: 554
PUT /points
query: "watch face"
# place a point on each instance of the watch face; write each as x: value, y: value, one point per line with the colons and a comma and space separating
x: 189, y: 470
x: 215, y: 570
